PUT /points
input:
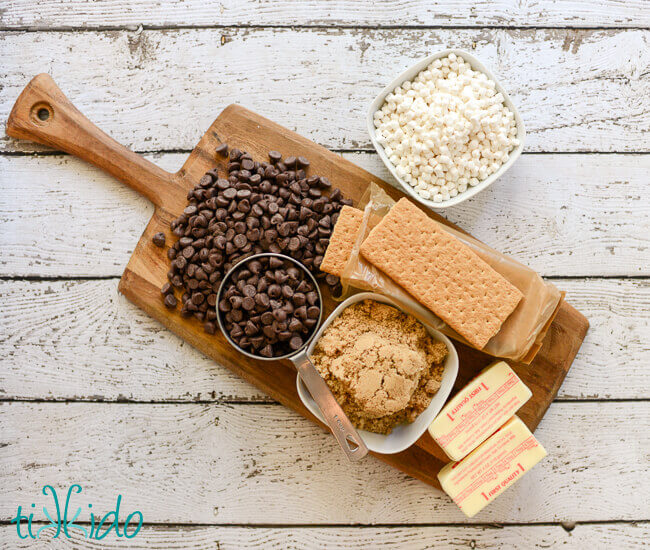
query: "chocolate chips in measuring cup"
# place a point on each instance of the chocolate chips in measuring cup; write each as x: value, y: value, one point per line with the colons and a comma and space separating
x: 269, y: 306
x: 271, y: 206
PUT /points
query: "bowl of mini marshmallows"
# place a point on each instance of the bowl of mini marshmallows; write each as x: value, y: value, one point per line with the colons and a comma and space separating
x: 445, y: 129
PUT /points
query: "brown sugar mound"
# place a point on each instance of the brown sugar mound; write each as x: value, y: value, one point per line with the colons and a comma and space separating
x: 382, y: 365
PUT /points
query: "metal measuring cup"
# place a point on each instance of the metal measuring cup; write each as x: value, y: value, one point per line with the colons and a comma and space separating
x: 340, y: 425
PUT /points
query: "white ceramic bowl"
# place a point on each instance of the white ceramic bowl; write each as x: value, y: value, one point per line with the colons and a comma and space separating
x: 410, y: 74
x: 403, y: 436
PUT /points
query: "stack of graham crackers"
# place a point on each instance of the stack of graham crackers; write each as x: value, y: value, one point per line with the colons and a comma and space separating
x: 437, y: 269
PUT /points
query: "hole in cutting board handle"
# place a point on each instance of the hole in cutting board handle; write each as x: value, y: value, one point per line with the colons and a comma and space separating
x: 41, y: 113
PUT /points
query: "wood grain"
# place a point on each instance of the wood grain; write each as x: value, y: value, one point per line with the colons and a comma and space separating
x: 88, y: 337
x: 263, y: 464
x: 63, y: 126
x: 20, y: 14
x: 584, y: 90
x: 92, y: 222
x: 534, y: 537
x: 241, y: 128
x: 145, y: 273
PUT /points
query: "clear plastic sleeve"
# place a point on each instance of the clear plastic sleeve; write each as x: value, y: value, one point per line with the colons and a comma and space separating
x: 520, y: 335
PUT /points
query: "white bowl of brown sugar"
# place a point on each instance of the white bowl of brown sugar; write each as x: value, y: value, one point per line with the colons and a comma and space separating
x: 391, y: 372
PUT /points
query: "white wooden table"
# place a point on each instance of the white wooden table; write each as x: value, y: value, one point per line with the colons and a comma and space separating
x: 94, y: 392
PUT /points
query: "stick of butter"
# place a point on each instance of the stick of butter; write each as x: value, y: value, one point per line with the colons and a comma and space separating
x: 485, y: 473
x: 478, y: 410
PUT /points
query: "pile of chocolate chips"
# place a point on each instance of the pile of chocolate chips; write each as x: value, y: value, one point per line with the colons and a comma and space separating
x: 259, y: 207
x: 269, y: 306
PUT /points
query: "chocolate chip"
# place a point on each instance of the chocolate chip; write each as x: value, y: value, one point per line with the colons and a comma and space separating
x: 257, y: 207
x: 159, y: 240
x: 236, y: 332
x: 262, y: 300
x: 294, y: 244
x: 266, y: 315
x: 280, y: 315
x: 249, y: 291
x: 240, y: 241
x: 301, y: 312
x: 266, y: 318
x: 295, y: 343
x: 250, y: 329
x: 331, y: 280
x: 230, y: 193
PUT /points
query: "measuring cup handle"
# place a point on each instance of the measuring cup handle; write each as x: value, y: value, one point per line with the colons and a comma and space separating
x: 342, y: 429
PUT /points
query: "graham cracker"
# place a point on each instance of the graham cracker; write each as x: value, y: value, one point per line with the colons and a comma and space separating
x: 442, y: 273
x: 342, y: 240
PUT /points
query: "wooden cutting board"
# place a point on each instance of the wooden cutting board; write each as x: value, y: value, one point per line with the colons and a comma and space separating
x: 42, y: 113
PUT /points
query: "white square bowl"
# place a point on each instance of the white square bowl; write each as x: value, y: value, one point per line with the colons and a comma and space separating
x: 404, y: 435
x: 410, y: 74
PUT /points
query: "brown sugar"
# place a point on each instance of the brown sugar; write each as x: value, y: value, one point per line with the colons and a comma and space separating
x: 382, y: 365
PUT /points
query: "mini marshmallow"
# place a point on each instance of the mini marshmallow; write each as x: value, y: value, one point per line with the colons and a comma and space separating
x: 447, y: 129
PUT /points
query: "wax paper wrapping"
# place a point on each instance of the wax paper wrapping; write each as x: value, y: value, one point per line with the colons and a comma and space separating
x: 520, y: 335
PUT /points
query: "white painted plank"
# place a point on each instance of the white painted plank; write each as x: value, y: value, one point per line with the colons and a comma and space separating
x: 578, y: 215
x: 562, y: 215
x: 82, y: 341
x: 115, y: 13
x: 263, y: 464
x: 88, y: 223
x: 617, y: 535
x: 585, y: 90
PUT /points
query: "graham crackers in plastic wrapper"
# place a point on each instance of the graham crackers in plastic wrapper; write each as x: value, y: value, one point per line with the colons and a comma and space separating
x: 521, y: 332
x: 444, y: 274
x: 342, y: 240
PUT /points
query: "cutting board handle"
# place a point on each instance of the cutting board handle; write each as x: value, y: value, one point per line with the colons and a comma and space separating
x: 44, y: 114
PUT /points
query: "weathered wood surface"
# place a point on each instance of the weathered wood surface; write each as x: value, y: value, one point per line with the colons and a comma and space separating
x: 533, y: 537
x: 81, y: 340
x: 147, y: 270
x: 89, y: 223
x: 577, y: 90
x: 20, y: 14
x: 212, y: 463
